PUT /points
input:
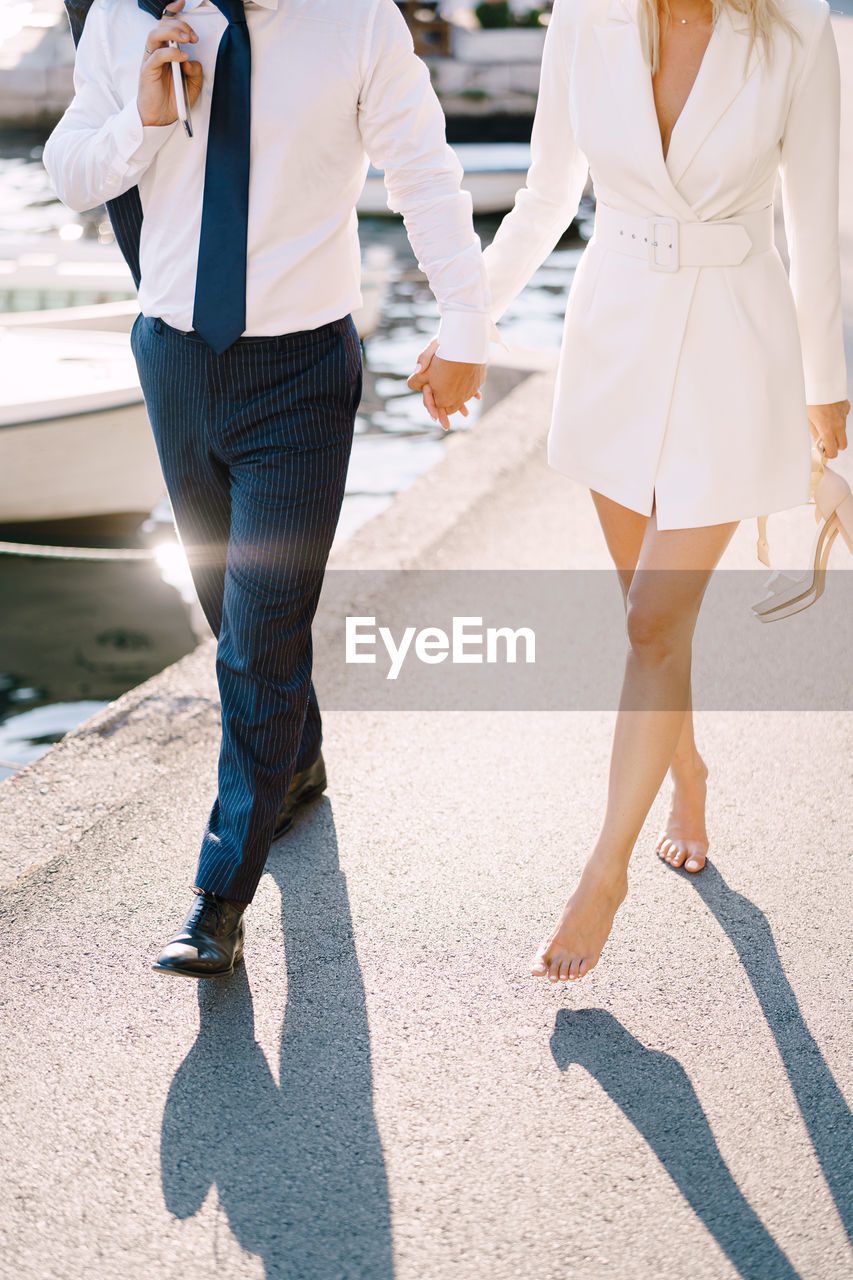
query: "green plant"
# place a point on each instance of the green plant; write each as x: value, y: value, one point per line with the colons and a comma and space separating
x: 497, y: 14
x: 494, y: 13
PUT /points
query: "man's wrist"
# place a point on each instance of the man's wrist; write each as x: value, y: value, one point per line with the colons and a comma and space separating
x: 463, y: 337
x: 149, y: 138
x: 135, y: 143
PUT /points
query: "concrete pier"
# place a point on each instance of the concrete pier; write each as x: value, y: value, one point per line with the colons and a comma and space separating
x: 382, y: 1091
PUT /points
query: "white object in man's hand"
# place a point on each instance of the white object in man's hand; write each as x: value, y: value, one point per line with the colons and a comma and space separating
x: 446, y: 384
x: 156, y: 98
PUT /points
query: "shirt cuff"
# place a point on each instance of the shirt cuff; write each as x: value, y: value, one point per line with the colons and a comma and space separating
x: 463, y: 336
x: 821, y: 391
x: 136, y: 143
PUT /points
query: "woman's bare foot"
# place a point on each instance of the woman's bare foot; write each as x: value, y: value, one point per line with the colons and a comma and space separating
x: 575, y: 945
x: 685, y: 840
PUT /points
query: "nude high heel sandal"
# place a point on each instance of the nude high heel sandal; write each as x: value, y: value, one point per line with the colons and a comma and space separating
x: 789, y: 593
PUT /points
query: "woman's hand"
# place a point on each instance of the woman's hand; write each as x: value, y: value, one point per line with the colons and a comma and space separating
x: 446, y: 384
x: 828, y: 425
x: 156, y: 97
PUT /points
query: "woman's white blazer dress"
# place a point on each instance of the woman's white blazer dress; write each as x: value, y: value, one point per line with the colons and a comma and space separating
x: 688, y: 355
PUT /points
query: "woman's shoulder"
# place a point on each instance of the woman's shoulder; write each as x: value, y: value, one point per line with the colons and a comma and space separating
x: 573, y: 13
x: 807, y: 16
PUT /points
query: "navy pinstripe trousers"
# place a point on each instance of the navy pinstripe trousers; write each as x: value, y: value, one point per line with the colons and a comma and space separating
x: 254, y: 446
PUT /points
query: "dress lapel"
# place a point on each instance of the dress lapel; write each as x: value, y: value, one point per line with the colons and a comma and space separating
x: 722, y: 75
x: 633, y: 101
x: 720, y: 79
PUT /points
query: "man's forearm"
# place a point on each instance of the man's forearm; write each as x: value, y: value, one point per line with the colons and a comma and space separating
x: 438, y: 218
x: 90, y: 165
x: 402, y: 127
x: 100, y: 148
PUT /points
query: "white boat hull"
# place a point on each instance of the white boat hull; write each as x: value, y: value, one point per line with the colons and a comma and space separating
x: 490, y: 192
x: 96, y: 291
x: 103, y: 317
x: 494, y: 172
x: 74, y: 435
x: 90, y: 464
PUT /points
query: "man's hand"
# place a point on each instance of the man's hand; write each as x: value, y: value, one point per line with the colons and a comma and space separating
x: 446, y: 384
x: 156, y: 97
x: 828, y: 425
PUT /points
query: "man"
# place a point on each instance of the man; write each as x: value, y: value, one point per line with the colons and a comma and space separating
x: 243, y: 239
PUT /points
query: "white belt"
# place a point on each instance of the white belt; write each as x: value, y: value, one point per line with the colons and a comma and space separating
x: 668, y: 244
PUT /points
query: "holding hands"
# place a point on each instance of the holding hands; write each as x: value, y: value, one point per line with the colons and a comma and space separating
x: 156, y: 97
x: 446, y: 384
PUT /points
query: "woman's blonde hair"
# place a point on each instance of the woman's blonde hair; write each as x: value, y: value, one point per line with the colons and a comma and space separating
x: 763, y: 16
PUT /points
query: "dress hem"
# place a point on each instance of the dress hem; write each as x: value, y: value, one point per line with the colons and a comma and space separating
x: 605, y: 488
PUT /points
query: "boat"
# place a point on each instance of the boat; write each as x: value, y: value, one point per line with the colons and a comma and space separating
x: 40, y: 273
x: 494, y: 171
x: 46, y: 281
x: 74, y: 434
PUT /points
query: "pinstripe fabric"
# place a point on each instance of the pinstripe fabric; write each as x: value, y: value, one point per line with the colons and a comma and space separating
x: 254, y: 445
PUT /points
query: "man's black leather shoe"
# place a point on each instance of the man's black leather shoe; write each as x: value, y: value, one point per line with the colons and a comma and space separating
x: 210, y: 942
x: 307, y: 785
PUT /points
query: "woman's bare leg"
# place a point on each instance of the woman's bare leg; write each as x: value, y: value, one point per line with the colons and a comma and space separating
x: 663, y: 601
x: 684, y: 840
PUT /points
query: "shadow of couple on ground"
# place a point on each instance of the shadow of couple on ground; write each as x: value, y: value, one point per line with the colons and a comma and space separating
x: 299, y: 1167
x: 654, y: 1092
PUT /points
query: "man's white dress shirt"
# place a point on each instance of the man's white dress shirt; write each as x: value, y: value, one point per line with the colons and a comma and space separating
x: 333, y: 82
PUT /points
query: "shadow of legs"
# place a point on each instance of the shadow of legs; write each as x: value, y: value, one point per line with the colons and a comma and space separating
x: 824, y: 1110
x: 654, y: 1092
x: 299, y: 1170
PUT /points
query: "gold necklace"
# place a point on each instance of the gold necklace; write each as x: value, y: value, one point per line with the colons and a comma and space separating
x: 686, y: 21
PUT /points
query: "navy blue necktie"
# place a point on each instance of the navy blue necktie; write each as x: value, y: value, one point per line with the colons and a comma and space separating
x: 219, y: 314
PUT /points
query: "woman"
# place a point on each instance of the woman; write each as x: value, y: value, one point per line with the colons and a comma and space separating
x: 690, y: 364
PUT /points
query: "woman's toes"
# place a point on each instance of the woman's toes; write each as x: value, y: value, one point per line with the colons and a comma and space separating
x: 564, y: 970
x: 575, y: 970
x: 679, y: 854
x: 584, y: 967
x: 539, y: 966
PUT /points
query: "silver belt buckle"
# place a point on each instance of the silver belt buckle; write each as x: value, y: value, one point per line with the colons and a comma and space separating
x: 652, y: 234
